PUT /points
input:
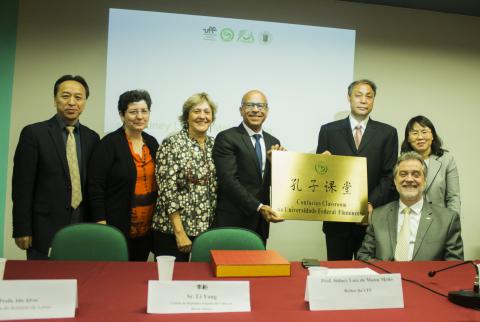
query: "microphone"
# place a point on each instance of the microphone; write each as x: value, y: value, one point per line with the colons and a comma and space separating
x: 465, y: 298
x: 433, y: 273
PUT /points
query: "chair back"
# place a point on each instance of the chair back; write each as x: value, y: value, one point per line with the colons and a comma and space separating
x: 89, y: 241
x: 228, y: 238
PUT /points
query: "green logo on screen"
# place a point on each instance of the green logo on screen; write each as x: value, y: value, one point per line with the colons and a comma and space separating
x: 246, y: 36
x: 227, y: 34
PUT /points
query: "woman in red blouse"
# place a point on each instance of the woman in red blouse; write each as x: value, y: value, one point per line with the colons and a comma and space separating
x: 121, y: 178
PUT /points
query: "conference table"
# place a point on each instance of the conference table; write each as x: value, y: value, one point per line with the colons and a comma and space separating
x: 117, y: 291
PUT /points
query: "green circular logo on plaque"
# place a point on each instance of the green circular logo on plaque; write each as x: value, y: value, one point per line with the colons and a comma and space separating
x: 227, y: 34
x: 321, y: 168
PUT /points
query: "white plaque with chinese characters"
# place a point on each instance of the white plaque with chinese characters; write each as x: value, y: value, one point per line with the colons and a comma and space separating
x: 319, y: 187
x: 198, y: 296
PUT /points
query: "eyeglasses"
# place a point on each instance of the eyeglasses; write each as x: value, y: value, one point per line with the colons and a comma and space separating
x: 250, y: 106
x: 416, y: 134
x: 137, y: 112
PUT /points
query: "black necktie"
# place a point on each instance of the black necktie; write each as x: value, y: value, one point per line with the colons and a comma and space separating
x: 258, y: 151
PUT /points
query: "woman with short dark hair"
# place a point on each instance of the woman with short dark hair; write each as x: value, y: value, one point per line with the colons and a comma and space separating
x: 121, y: 176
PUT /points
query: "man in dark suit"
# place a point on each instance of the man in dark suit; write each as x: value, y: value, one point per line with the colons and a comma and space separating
x: 49, y: 170
x: 242, y: 159
x: 359, y: 135
x: 411, y: 229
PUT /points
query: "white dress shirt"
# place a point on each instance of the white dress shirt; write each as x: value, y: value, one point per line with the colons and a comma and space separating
x: 354, y: 123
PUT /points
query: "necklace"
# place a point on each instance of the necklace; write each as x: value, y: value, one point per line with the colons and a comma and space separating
x: 197, y: 180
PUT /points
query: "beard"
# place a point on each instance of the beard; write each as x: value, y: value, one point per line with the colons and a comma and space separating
x: 411, y: 193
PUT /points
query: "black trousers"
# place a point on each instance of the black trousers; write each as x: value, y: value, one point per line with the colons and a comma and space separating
x: 35, y: 254
x: 166, y: 244
x: 139, y: 248
x: 345, y: 245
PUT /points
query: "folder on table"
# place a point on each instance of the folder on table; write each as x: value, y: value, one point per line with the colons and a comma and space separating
x: 239, y: 263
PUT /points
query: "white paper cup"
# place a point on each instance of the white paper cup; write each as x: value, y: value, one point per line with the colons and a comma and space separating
x: 165, y: 265
x: 3, y: 261
x: 318, y: 271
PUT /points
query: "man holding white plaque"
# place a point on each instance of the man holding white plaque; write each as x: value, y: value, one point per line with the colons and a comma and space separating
x: 359, y: 136
x: 411, y: 229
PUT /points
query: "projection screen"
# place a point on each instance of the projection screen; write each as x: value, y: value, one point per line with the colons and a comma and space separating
x: 303, y: 70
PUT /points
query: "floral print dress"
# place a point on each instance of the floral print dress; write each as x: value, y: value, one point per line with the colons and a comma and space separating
x: 187, y: 183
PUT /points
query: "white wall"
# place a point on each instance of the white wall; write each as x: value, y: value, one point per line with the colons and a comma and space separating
x: 423, y: 63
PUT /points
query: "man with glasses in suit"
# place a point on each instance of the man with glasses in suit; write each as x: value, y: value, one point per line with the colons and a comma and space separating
x: 242, y: 159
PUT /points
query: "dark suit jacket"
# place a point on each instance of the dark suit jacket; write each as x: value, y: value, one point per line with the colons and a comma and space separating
x: 111, y: 179
x: 41, y: 188
x: 379, y: 145
x: 438, y: 235
x: 241, y: 188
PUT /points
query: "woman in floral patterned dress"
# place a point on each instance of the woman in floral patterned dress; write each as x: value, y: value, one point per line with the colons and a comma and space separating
x: 187, y: 185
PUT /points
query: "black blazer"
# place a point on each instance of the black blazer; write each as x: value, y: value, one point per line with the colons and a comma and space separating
x: 379, y: 145
x: 241, y: 188
x: 41, y: 188
x: 111, y: 179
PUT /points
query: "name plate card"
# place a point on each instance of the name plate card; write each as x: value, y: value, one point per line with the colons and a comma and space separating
x: 319, y: 187
x: 198, y: 296
x: 37, y: 299
x: 355, y: 292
